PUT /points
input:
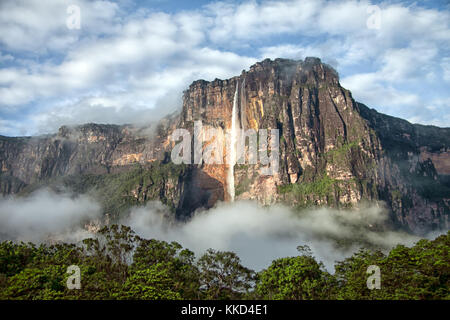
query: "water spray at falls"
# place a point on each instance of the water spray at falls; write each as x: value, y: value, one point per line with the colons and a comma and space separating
x: 232, y: 158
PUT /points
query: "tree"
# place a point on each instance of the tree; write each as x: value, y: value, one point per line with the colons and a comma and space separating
x: 295, y: 278
x: 351, y: 275
x: 222, y: 276
x: 152, y: 283
x: 178, y: 262
x: 112, y: 250
x: 15, y: 257
x: 419, y: 272
x: 35, y: 283
x: 119, y: 265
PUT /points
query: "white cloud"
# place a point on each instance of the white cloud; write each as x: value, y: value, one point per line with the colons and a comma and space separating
x: 109, y: 77
x: 5, y: 58
x: 45, y: 215
x: 124, y: 61
x: 250, y: 20
x: 372, y: 90
x: 36, y: 26
x: 445, y: 65
x: 287, y: 51
x: 405, y: 64
x: 342, y: 17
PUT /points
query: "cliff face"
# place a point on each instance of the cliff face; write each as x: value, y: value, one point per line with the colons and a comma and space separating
x: 314, y: 115
x: 333, y: 151
x: 90, y: 148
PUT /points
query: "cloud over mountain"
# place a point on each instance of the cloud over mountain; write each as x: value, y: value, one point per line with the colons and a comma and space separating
x: 127, y: 58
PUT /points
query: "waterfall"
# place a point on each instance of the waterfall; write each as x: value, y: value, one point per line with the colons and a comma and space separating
x: 232, y: 158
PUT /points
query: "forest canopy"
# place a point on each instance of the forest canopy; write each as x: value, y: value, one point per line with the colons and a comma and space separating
x: 118, y: 264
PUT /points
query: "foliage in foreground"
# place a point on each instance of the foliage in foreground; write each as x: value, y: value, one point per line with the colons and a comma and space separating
x: 118, y: 264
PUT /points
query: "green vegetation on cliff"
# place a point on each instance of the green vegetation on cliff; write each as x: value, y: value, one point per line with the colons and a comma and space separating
x: 321, y: 187
x: 122, y: 190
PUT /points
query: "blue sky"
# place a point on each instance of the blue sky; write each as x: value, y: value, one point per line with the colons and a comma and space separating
x: 130, y: 60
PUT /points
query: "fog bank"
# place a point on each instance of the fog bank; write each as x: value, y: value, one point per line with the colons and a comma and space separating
x: 257, y: 234
x: 46, y: 216
x: 260, y: 234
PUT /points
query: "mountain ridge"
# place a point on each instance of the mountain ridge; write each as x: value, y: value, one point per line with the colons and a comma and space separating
x: 334, y: 151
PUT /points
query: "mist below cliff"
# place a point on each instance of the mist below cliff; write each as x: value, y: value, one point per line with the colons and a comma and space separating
x: 45, y: 216
x: 257, y: 234
x: 261, y: 234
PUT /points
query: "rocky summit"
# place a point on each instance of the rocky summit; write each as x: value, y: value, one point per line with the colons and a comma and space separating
x: 333, y: 151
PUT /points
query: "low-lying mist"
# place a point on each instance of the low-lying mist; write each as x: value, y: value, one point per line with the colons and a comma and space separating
x: 260, y: 234
x: 257, y: 234
x: 47, y: 216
